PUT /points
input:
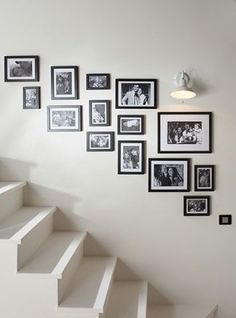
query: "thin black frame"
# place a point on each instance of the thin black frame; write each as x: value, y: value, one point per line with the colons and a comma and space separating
x: 228, y: 216
x: 141, y: 117
x: 36, y: 62
x: 112, y: 140
x: 183, y: 113
x: 107, y: 109
x: 80, y: 118
x: 38, y: 93
x: 212, y: 188
x: 188, y: 186
x: 76, y: 82
x: 154, y: 80
x: 199, y: 197
x: 142, y: 143
x: 108, y: 86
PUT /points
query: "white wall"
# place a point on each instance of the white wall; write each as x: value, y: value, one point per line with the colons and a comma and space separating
x: 188, y: 260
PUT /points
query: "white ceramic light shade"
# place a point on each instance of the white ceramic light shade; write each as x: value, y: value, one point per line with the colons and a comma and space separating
x: 182, y: 90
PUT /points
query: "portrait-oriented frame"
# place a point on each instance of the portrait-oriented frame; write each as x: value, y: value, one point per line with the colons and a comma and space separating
x: 38, y: 97
x: 78, y: 118
x: 139, y: 131
x: 211, y: 186
x: 33, y: 59
x: 196, y: 197
x: 125, y: 85
x: 163, y: 144
x: 129, y: 143
x: 107, y: 113
x: 93, y: 87
x: 111, y: 140
x: 152, y: 187
x: 74, y: 82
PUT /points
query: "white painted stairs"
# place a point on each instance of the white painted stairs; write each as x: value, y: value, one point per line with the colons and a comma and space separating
x: 48, y: 275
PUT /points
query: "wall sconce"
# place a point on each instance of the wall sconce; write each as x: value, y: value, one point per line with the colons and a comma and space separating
x: 182, y: 90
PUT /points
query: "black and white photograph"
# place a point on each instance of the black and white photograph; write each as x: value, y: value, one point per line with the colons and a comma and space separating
x: 130, y: 124
x: 100, y: 141
x: 98, y: 81
x: 31, y: 97
x: 136, y: 93
x: 169, y: 175
x: 131, y: 157
x: 225, y: 219
x: 24, y: 68
x: 204, y: 177
x: 196, y: 205
x: 64, y: 82
x: 99, y: 113
x: 64, y: 118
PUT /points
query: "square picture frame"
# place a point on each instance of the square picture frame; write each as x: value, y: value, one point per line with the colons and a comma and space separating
x: 99, y: 113
x: 184, y: 132
x: 64, y: 118
x: 21, y: 68
x: 131, y: 159
x: 169, y: 175
x: 95, y: 81
x: 136, y: 93
x: 100, y: 141
x: 204, y: 177
x: 31, y: 97
x: 197, y: 205
x: 225, y: 219
x: 130, y: 124
x: 64, y: 82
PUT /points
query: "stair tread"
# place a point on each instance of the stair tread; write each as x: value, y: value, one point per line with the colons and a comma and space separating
x: 9, y: 186
x: 49, y: 255
x: 87, y: 282
x: 179, y: 311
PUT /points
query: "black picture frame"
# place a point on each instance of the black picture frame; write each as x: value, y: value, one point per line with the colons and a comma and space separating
x: 128, y: 96
x: 192, y: 208
x: 204, y: 178
x: 225, y: 219
x: 65, y: 124
x: 134, y: 163
x: 98, y: 81
x: 31, y: 97
x: 99, y: 113
x: 100, y: 141
x: 21, y: 68
x: 130, y: 124
x: 64, y: 82
x: 195, y: 140
x: 163, y: 179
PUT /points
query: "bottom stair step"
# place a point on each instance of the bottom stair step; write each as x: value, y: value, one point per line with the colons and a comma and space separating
x: 204, y: 311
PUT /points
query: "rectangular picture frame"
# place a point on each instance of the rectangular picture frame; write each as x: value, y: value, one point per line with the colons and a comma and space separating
x: 98, y: 81
x: 100, y: 141
x: 99, y: 113
x: 31, y: 97
x: 130, y: 124
x: 196, y: 205
x: 204, y: 177
x: 184, y: 132
x: 136, y: 93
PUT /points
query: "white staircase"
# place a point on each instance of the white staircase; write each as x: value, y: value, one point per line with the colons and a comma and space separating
x: 45, y: 273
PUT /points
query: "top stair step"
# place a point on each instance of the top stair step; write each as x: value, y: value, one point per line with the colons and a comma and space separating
x: 11, y: 186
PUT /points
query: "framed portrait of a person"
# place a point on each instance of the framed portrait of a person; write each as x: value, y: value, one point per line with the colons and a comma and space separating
x: 99, y: 112
x: 131, y: 157
x: 31, y: 97
x: 204, y: 177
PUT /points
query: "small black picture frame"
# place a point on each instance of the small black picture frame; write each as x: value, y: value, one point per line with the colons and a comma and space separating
x: 98, y: 81
x: 31, y: 97
x: 204, y: 177
x: 100, y: 141
x: 197, y: 205
x: 225, y: 219
x: 99, y: 113
x: 130, y: 124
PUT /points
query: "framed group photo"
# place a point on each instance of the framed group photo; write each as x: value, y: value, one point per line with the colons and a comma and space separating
x: 196, y: 205
x: 64, y: 118
x: 64, y: 82
x: 136, y: 93
x: 204, y: 177
x: 130, y: 124
x: 131, y: 157
x: 23, y: 68
x: 169, y: 175
x: 31, y: 97
x: 98, y: 81
x: 184, y: 132
x: 99, y: 113
x: 100, y: 141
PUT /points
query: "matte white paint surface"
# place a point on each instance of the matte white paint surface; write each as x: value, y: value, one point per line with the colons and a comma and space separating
x: 187, y: 260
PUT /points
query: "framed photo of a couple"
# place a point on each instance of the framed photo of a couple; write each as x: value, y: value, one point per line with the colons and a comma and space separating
x: 184, y: 132
x: 136, y: 93
x: 131, y: 157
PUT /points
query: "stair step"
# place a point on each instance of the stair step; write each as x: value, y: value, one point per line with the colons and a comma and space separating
x: 90, y: 286
x: 50, y: 260
x: 10, y: 186
x: 128, y: 300
x: 182, y: 311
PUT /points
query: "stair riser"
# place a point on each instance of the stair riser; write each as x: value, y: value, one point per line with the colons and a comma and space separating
x: 10, y: 202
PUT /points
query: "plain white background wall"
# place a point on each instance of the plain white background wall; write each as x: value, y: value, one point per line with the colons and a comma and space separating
x: 187, y: 259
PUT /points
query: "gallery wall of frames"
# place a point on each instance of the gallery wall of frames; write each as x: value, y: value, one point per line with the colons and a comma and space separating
x: 177, y: 132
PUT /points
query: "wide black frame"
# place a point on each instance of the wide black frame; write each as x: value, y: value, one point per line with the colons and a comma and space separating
x: 140, y: 142
x: 108, y: 86
x: 36, y: 62
x: 141, y: 117
x: 210, y: 116
x: 112, y: 141
x: 198, y: 197
x: 188, y: 179
x: 212, y: 188
x: 108, y: 112
x: 229, y: 219
x: 38, y: 92
x: 132, y: 80
x: 75, y: 83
